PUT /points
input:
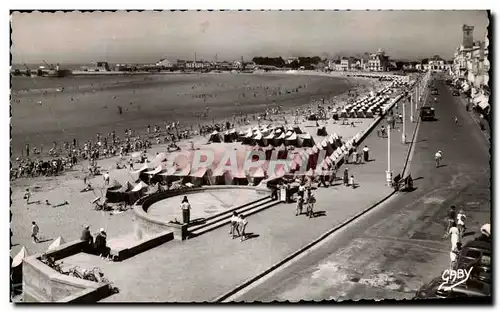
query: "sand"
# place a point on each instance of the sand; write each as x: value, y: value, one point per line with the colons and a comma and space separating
x: 67, y: 221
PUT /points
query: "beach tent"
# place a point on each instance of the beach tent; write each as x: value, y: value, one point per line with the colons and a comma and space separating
x: 268, y: 139
x: 291, y: 140
x: 215, y: 137
x: 161, y: 157
x: 139, y: 187
x: 322, y: 131
x: 343, y: 114
x: 18, y: 259
x: 297, y: 130
x: 222, y: 177
x: 369, y: 113
x: 155, y: 171
x: 136, y: 192
x: 118, y: 194
x: 279, y: 139
x: 17, y: 267
x: 136, y: 174
x: 305, y: 140
x: 256, y: 175
x: 200, y: 177
x: 56, y: 243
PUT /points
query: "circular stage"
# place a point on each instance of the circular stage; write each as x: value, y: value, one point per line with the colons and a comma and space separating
x: 205, y: 203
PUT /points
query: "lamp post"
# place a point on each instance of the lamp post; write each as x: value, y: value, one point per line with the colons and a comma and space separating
x: 411, y: 107
x: 403, y: 135
x: 388, y: 173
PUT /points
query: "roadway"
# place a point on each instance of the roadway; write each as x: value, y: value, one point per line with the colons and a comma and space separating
x: 397, y: 247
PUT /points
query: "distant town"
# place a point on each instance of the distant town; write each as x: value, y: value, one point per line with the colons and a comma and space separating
x: 368, y: 62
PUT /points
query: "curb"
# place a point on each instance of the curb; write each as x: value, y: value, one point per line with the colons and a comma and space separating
x: 225, y: 296
x: 325, y: 235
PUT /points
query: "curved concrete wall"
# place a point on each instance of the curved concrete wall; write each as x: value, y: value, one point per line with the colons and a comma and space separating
x: 150, y: 225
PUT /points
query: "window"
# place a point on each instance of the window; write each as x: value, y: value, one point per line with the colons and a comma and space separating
x: 473, y: 254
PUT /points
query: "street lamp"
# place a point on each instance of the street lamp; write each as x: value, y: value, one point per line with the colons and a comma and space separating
x: 388, y: 173
x: 403, y: 135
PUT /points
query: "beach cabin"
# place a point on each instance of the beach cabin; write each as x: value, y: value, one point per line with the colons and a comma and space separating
x: 215, y: 137
x: 305, y: 140
x: 291, y: 140
x: 202, y: 176
x: 322, y: 131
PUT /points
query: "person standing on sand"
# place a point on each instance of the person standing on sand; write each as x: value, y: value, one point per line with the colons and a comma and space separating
x: 34, y: 232
x: 27, y: 196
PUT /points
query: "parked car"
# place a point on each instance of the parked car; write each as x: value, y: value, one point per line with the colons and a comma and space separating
x: 476, y: 254
x: 434, y: 92
x: 455, y: 93
x: 471, y: 288
x: 427, y: 113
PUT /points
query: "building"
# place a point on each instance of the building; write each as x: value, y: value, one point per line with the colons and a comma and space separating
x: 346, y: 64
x: 470, y: 67
x: 198, y: 65
x: 291, y: 59
x: 100, y: 67
x: 164, y: 63
x: 378, y: 61
x: 437, y: 64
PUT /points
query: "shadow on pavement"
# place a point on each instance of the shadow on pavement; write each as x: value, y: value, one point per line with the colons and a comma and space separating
x: 442, y: 166
x: 251, y: 235
x: 319, y: 214
x: 419, y: 178
x: 45, y: 240
x: 197, y: 221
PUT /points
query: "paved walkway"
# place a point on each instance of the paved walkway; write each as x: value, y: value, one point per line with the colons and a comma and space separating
x: 203, y: 268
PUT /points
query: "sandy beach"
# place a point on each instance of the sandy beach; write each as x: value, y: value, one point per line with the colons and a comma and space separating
x: 67, y: 221
x: 89, y: 105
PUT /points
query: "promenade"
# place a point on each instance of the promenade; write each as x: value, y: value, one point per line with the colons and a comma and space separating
x: 207, y: 266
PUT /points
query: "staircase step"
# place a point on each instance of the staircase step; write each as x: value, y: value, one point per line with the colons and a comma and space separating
x: 227, y: 214
x: 225, y: 221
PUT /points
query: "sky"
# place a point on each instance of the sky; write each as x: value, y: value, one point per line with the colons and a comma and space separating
x: 146, y: 37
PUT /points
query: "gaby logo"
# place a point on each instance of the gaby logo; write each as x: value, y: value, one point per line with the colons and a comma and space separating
x: 454, y: 277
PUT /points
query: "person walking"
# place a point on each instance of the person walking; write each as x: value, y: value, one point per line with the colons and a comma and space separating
x: 185, y: 207
x: 366, y: 151
x: 242, y: 227
x: 454, y: 255
x: 106, y: 178
x: 351, y: 181
x: 34, y: 232
x: 301, y: 190
x: 452, y: 216
x: 234, y: 225
x: 311, y: 200
x: 300, y: 202
x: 346, y: 177
x: 333, y: 175
x: 461, y: 223
x: 454, y: 235
x: 27, y: 196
